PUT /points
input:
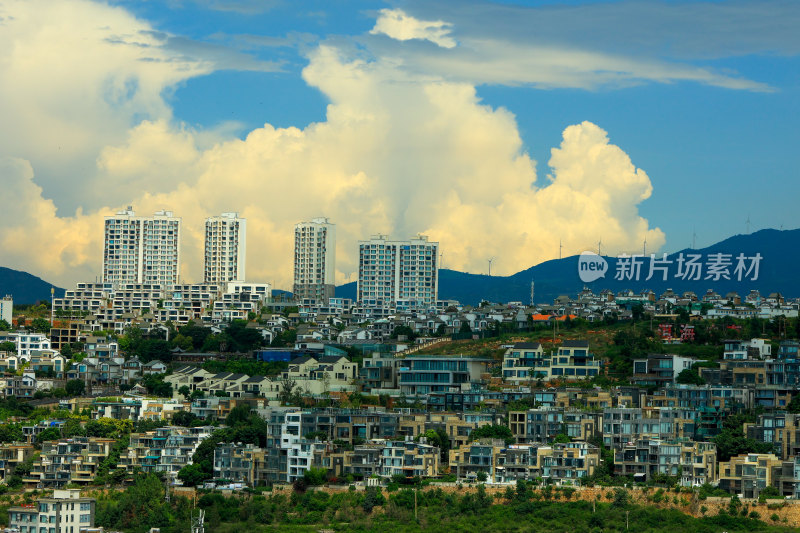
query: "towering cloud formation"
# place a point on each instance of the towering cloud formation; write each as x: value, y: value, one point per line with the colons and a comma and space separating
x: 398, y: 153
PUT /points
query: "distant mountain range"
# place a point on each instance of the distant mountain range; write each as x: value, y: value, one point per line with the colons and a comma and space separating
x: 25, y: 288
x: 778, y: 272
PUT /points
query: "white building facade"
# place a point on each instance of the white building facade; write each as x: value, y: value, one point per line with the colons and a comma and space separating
x: 142, y: 249
x: 225, y: 250
x: 402, y: 274
x: 314, y: 259
x: 64, y: 512
x: 6, y: 308
x: 26, y: 342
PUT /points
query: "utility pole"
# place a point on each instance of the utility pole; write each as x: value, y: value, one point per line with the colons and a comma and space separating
x: 626, y: 519
x: 416, y: 489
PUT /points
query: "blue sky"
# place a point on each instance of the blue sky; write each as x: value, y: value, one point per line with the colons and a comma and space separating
x: 716, y: 156
x: 691, y: 106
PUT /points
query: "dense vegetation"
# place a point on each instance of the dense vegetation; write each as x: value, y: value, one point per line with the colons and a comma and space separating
x: 519, y: 509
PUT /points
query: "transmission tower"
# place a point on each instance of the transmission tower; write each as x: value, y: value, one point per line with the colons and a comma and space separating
x: 197, y: 521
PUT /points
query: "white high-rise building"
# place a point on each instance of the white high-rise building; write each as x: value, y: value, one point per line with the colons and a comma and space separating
x: 403, y: 274
x: 6, y: 308
x: 314, y: 259
x: 225, y: 248
x: 142, y: 249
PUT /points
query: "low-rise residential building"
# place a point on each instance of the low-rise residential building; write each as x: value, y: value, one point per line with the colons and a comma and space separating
x: 420, y: 375
x: 11, y: 455
x: 25, y: 342
x: 409, y: 458
x: 659, y: 369
x: 525, y: 362
x: 780, y: 429
x: 749, y: 474
x: 238, y: 463
x: 65, y: 461
x: 569, y: 462
x: 623, y: 425
x: 65, y: 512
x: 166, y: 449
x: 559, y: 463
x: 23, y: 386
x: 574, y: 361
x: 693, y: 463
x: 545, y: 424
x: 483, y: 455
x: 528, y: 362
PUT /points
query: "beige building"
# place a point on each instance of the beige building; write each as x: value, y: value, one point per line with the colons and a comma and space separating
x: 749, y: 474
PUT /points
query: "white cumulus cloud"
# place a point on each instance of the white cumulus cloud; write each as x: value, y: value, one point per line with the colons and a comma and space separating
x: 397, y: 154
x: 395, y: 23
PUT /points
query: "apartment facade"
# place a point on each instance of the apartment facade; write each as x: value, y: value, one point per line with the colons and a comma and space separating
x: 140, y: 249
x: 314, y: 259
x: 225, y: 248
x: 398, y: 274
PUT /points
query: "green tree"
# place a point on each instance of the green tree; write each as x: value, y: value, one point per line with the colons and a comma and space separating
x: 8, y: 346
x: 405, y: 331
x: 689, y: 376
x: 767, y: 493
x: 4, y: 326
x: 75, y: 387
x: 183, y: 342
x: 186, y: 419
x: 732, y: 441
x: 315, y: 476
x: 239, y: 416
x: 794, y: 404
x: 40, y: 325
x: 193, y: 475
x: 156, y: 385
x: 373, y: 497
x: 47, y: 435
x: 11, y: 433
x: 482, y: 476
x: 562, y: 438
